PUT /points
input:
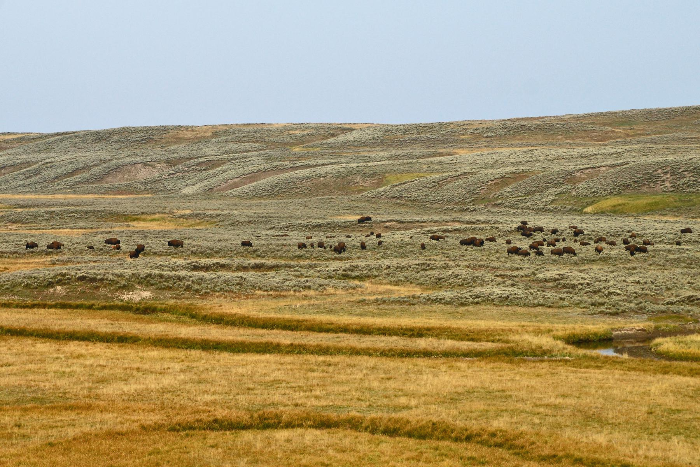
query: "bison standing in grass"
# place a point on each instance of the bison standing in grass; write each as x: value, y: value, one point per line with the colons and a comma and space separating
x: 175, y: 243
x: 598, y: 249
x: 140, y: 248
x: 247, y: 243
x: 112, y: 241
x: 422, y: 246
x: 512, y: 250
x: 133, y: 254
x: 569, y: 250
x: 322, y: 245
x: 686, y: 230
x: 364, y: 219
x: 437, y: 238
x: 31, y: 245
x: 557, y: 251
x: 301, y: 245
x: 54, y: 245
x: 363, y: 246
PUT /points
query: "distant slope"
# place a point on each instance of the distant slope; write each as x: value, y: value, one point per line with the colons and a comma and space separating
x: 545, y: 162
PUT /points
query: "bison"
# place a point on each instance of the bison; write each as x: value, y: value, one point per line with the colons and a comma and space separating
x: 523, y: 252
x: 378, y: 235
x: 133, y: 254
x: 30, y: 245
x: 526, y: 233
x: 247, y: 243
x: 338, y: 249
x: 578, y: 232
x: 422, y: 246
x: 490, y: 239
x: 534, y: 246
x: 582, y: 243
x: 647, y: 242
x: 611, y: 243
x: 301, y: 245
x: 322, y: 245
x: 512, y: 250
x: 437, y: 238
x: 686, y: 230
x: 633, y: 235
x: 569, y: 250
x: 54, y: 245
x: 116, y: 247
x: 551, y: 243
x: 175, y: 243
x: 509, y: 241
x: 538, y: 229
x: 598, y: 249
x: 539, y: 253
x: 678, y: 242
x: 557, y: 251
x: 112, y: 241
x: 479, y: 242
x: 625, y: 241
x: 632, y: 249
x: 523, y: 222
x: 554, y: 231
x: 642, y: 249
x: 309, y: 237
x: 364, y: 219
x: 467, y: 241
x: 380, y: 242
x: 363, y: 246
x: 599, y: 240
x: 140, y: 248
x: 90, y: 247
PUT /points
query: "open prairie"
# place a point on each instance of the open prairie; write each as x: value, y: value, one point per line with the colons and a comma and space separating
x: 278, y: 353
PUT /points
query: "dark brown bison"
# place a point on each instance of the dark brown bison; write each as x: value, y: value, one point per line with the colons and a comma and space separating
x: 522, y: 227
x: 523, y: 252
x: 539, y: 253
x: 642, y: 249
x: 348, y: 236
x: 512, y: 250
x: 378, y: 235
x: 551, y: 243
x: 467, y: 241
x: 625, y: 241
x: 364, y: 219
x: 526, y: 233
x: 437, y: 238
x: 678, y: 242
x: 247, y: 243
x: 363, y: 246
x: 631, y: 248
x: 479, y: 242
x: 54, y: 245
x: 422, y: 246
x: 116, y: 247
x: 90, y: 247
x: 686, y: 230
x: 534, y: 246
x: 578, y: 232
x: 175, y: 243
x: 582, y: 243
x: 30, y: 245
x: 338, y: 249
x: 140, y: 248
x: 112, y: 241
x: 569, y: 250
x: 611, y: 243
x: 133, y: 254
x: 554, y: 231
x: 538, y: 229
x: 509, y: 241
x: 599, y: 240
x: 490, y: 239
x: 573, y: 227
x: 311, y: 244
x: 633, y: 235
x: 523, y: 222
x: 309, y: 237
x: 598, y: 249
x: 557, y: 251
x: 322, y: 245
x: 647, y: 242
x: 301, y: 245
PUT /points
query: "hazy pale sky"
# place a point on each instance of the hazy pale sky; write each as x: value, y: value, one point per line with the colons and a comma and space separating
x: 86, y: 64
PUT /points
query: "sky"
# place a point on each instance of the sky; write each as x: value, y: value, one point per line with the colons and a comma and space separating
x: 86, y: 64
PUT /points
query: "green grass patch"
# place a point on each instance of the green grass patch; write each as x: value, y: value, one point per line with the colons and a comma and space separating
x: 641, y: 203
x: 392, y: 179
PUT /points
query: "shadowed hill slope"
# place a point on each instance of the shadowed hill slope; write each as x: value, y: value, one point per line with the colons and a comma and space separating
x: 542, y: 162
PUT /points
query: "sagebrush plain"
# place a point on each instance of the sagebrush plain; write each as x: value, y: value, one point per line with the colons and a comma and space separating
x: 217, y: 353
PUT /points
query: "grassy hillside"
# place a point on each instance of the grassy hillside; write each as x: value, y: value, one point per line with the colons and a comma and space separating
x: 392, y: 354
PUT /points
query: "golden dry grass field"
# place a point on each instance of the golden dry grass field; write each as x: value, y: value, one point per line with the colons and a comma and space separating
x: 221, y: 354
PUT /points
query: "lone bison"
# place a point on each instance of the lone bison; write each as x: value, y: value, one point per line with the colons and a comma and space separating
x: 437, y: 238
x: 54, y: 245
x: 686, y: 230
x: 422, y: 246
x: 301, y: 245
x: 175, y: 243
x: 30, y: 245
x: 364, y: 219
x: 247, y: 243
x: 112, y: 241
x: 363, y: 246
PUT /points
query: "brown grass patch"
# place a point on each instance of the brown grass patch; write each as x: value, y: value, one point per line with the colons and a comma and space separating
x: 130, y: 173
x: 256, y: 177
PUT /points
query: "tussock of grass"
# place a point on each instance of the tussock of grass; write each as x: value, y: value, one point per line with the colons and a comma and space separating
x: 579, y: 336
x: 259, y: 347
x: 522, y: 444
x: 678, y: 348
x: 392, y: 179
x: 636, y: 204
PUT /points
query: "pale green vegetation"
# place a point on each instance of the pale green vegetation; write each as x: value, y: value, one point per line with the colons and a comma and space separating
x: 221, y: 354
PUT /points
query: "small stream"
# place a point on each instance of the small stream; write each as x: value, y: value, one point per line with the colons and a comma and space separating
x: 628, y: 343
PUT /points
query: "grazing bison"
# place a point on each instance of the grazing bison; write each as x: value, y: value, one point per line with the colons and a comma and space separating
x: 337, y: 249
x: 309, y: 237
x: 631, y: 248
x: 90, y: 247
x: 611, y: 243
x: 378, y: 235
x: 598, y: 249
x: 467, y: 241
x: 600, y: 240
x: 526, y: 233
x: 678, y: 242
x: 140, y: 248
x: 30, y: 245
x: 578, y: 232
x: 523, y: 222
x: 534, y: 246
x: 363, y: 246
x: 247, y: 243
x: 364, y: 219
x: 686, y: 230
x: 557, y: 251
x: 569, y: 250
x: 437, y: 238
x: 479, y: 242
x: 380, y: 242
x: 54, y: 245
x: 554, y: 231
x: 538, y: 229
x: 509, y: 241
x: 633, y: 235
x: 116, y: 247
x: 322, y: 245
x: 301, y: 245
x: 422, y: 246
x: 625, y: 241
x: 573, y: 227
x: 112, y: 241
x: 539, y: 253
x: 551, y: 243
x: 133, y: 254
x: 175, y: 243
x: 647, y: 242
x: 523, y: 253
x: 582, y: 243
x: 513, y: 250
x: 642, y: 249
x: 490, y: 239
